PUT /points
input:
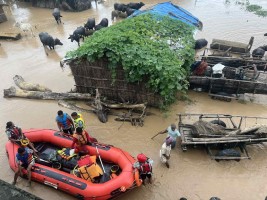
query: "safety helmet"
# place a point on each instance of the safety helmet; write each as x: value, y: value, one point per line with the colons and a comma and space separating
x: 141, y: 157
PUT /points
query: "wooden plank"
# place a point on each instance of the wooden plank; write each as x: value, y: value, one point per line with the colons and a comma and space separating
x: 222, y: 96
x: 247, y: 141
x: 12, y: 36
x: 228, y: 157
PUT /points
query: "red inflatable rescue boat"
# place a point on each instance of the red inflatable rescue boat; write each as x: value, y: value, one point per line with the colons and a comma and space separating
x: 53, y: 169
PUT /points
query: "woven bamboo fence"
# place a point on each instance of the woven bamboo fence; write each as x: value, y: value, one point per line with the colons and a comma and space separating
x: 91, y: 75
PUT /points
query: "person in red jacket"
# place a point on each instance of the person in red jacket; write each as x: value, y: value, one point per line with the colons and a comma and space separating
x: 144, y: 166
x: 80, y: 139
x: 15, y: 135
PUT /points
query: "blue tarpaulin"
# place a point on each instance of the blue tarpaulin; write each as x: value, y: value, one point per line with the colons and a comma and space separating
x: 173, y: 11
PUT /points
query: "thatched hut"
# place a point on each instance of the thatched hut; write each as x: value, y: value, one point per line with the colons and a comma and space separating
x: 89, y: 76
x: 142, y: 59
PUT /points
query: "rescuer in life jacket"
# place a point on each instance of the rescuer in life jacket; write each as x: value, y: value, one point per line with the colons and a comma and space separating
x: 80, y: 139
x: 144, y: 165
x: 15, y: 134
x: 24, y: 159
x: 78, y: 120
x: 64, y: 122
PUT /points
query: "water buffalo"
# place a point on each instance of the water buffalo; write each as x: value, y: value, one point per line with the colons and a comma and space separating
x: 48, y: 40
x: 114, y: 14
x: 200, y: 43
x: 57, y: 16
x: 258, y: 52
x: 122, y: 7
x: 90, y: 24
x: 130, y: 11
x: 77, y: 34
x: 136, y: 6
x: 264, y: 47
x: 122, y: 14
x: 116, y: 6
x: 103, y: 23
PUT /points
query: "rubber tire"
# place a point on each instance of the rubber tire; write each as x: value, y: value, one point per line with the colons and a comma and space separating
x: 219, y: 122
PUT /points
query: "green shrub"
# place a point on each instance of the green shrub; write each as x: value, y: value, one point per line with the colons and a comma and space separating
x: 157, y: 50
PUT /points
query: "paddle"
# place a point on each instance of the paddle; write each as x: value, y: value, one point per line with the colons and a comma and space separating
x: 106, y: 176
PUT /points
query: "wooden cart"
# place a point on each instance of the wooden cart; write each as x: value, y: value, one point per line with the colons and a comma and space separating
x: 213, y: 142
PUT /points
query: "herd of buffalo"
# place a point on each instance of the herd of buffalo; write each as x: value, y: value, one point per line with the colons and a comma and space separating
x: 120, y: 10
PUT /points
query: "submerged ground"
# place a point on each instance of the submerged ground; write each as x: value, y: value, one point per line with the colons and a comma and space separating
x: 192, y: 174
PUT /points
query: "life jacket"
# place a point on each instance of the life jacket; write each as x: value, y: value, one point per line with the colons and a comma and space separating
x: 85, y: 160
x: 64, y: 121
x: 82, y: 139
x: 90, y: 172
x: 145, y: 165
x: 145, y: 168
x: 15, y: 134
x: 76, y: 121
x: 64, y: 154
x: 26, y: 158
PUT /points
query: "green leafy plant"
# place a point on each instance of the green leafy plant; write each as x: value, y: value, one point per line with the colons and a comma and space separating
x: 253, y: 8
x: 154, y: 49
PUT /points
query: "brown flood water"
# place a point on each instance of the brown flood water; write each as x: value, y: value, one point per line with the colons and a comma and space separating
x: 192, y: 174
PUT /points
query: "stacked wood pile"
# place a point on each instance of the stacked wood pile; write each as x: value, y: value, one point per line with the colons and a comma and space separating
x: 206, y: 131
x: 90, y: 76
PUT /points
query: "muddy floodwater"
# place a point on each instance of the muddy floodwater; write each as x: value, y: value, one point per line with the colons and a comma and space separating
x: 192, y: 174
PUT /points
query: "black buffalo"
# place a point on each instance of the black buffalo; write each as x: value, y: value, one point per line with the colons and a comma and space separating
x: 122, y: 7
x: 200, y: 43
x: 48, y: 40
x: 90, y: 24
x: 57, y: 16
x: 103, y: 23
x: 136, y: 6
x: 114, y: 14
x: 116, y: 6
x: 130, y: 11
x: 77, y: 34
x: 258, y: 52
